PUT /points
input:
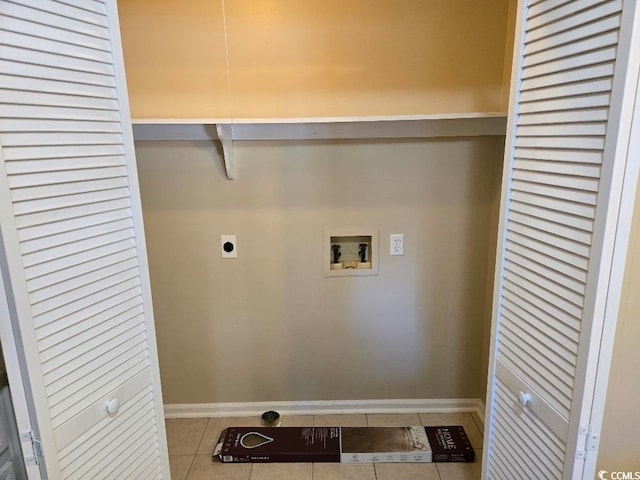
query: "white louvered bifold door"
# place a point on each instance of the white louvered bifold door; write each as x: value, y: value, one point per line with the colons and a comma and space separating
x: 74, y: 249
x: 554, y: 223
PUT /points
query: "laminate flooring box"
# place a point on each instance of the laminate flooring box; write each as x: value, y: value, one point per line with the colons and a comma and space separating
x: 344, y: 444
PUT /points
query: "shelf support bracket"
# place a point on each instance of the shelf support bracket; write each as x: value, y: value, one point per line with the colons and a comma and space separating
x: 225, y: 135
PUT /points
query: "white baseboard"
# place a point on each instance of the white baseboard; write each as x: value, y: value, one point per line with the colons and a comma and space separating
x: 325, y: 407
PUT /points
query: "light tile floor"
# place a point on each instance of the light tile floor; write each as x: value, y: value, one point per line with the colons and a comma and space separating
x: 191, y: 442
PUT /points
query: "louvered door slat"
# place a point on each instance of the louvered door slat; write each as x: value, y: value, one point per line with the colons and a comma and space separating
x: 549, y: 259
x: 541, y: 450
x: 572, y: 48
x: 60, y: 138
x: 45, y: 125
x: 523, y: 457
x: 557, y: 154
x: 571, y: 16
x: 563, y: 130
x: 64, y: 151
x: 542, y: 322
x: 69, y: 11
x: 528, y: 297
x: 71, y: 64
x: 136, y: 438
x: 40, y: 72
x: 516, y: 464
x: 67, y: 290
x: 556, y: 355
x: 36, y: 206
x: 76, y: 250
x: 581, y: 170
x: 150, y: 472
x: 570, y: 249
x: 106, y: 289
x: 57, y: 99
x: 61, y: 264
x: 75, y: 223
x: 575, y: 143
x: 61, y: 165
x: 57, y: 42
x: 63, y: 240
x: 61, y: 22
x: 526, y: 238
x: 563, y: 285
x: 88, y: 334
x: 570, y: 63
x: 566, y: 90
x: 536, y: 7
x: 128, y: 466
x: 517, y: 458
x: 580, y: 197
x: 573, y: 103
x: 574, y: 237
x: 574, y: 182
x: 572, y: 35
x: 84, y: 222
x: 68, y: 213
x: 56, y: 333
x: 69, y: 32
x: 77, y: 270
x: 579, y: 209
x: 38, y: 85
x: 50, y: 191
x: 565, y: 79
x: 538, y: 18
x: 570, y: 221
x: 92, y: 6
x: 525, y: 340
x: 57, y: 113
x: 63, y: 380
x: 544, y: 290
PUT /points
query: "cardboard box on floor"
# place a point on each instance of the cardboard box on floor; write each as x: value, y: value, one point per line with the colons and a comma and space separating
x: 344, y: 444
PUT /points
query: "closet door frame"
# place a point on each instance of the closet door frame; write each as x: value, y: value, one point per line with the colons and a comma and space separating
x: 619, y: 181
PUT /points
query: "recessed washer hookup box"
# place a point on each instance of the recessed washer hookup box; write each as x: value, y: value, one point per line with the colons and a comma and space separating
x: 344, y: 444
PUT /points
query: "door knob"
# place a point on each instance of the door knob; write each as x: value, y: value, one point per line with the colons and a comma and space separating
x: 523, y: 398
x: 113, y: 406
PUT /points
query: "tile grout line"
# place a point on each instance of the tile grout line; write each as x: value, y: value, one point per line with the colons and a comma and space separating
x: 193, y: 459
x: 478, y: 425
x: 204, y: 430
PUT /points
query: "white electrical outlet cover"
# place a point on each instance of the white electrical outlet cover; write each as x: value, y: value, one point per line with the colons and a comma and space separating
x: 228, y: 246
x: 396, y: 244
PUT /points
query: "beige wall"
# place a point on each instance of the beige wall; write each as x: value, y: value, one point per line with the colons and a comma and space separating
x: 313, y: 58
x: 620, y: 445
x: 269, y: 325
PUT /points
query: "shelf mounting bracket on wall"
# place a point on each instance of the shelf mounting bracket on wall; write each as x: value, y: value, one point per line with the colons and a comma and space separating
x: 225, y: 135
